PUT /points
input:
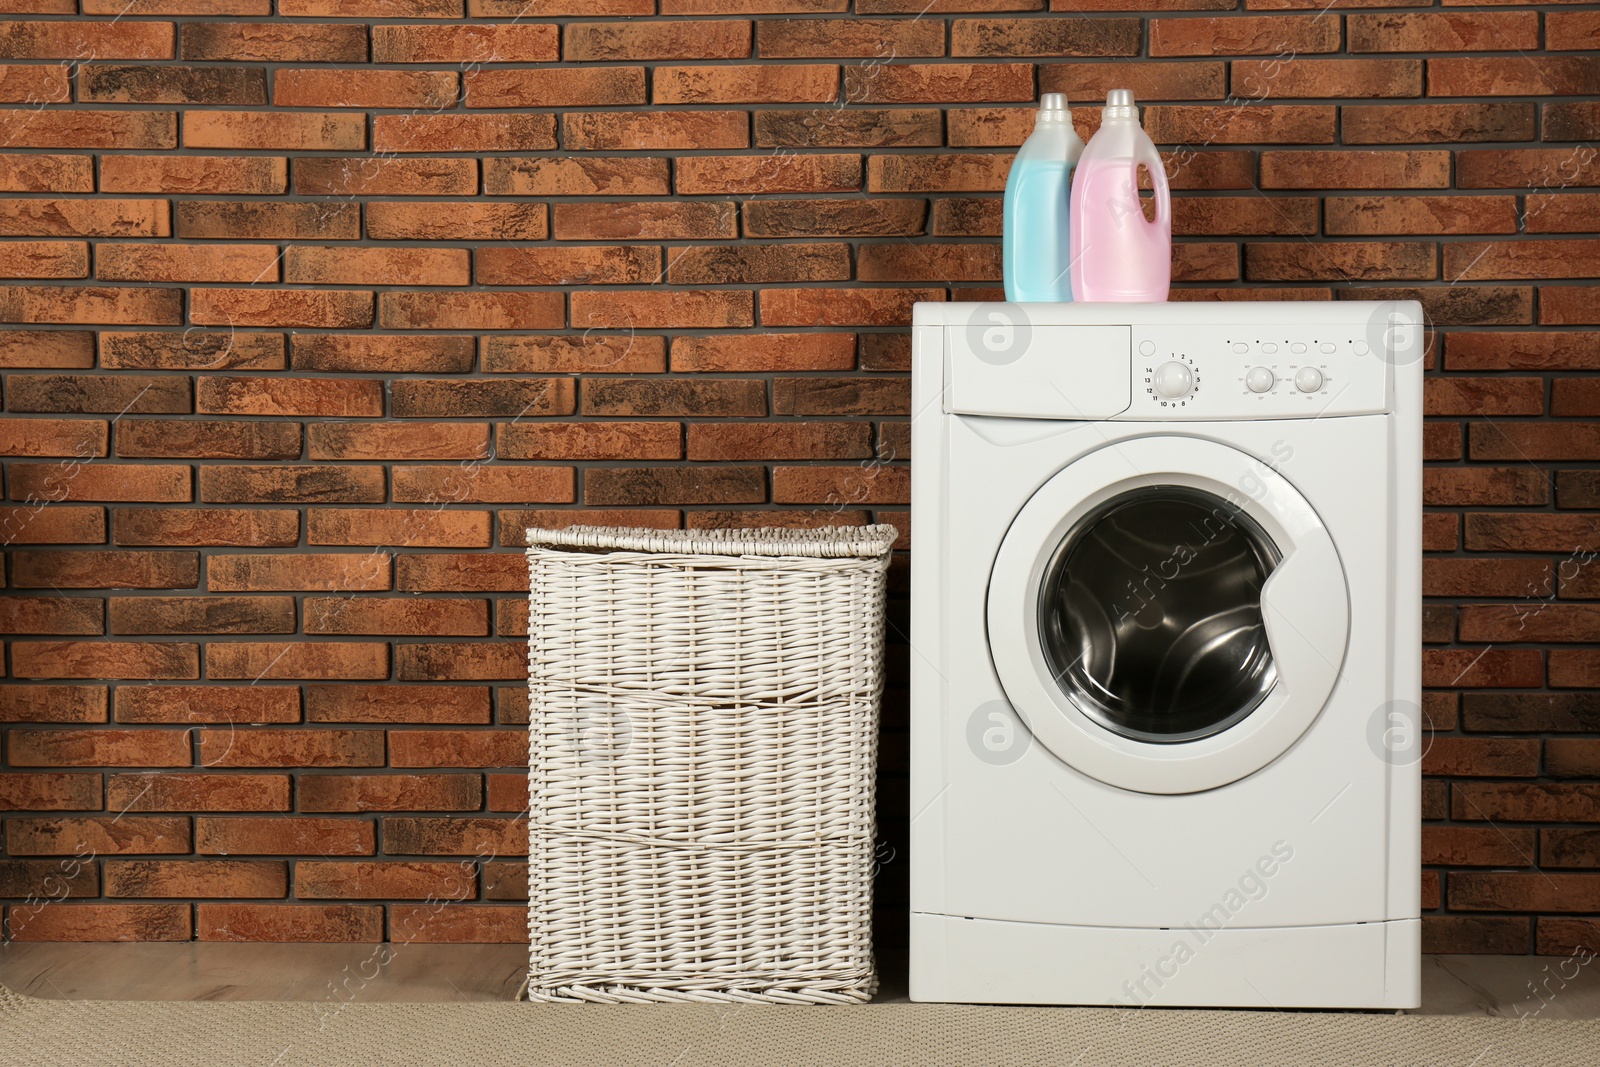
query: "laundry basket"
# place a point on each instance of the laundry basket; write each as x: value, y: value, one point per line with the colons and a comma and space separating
x: 702, y: 749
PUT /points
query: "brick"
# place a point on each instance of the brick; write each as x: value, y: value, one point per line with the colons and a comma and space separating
x: 388, y: 441
x: 390, y: 792
x: 1489, y: 486
x: 297, y: 131
x: 466, y: 44
x: 97, y: 569
x: 101, y: 922
x: 1199, y: 124
x: 299, y: 923
x: 1500, y: 757
x: 202, y: 614
x: 86, y: 129
x: 555, y: 87
x: 1491, y: 532
x: 186, y: 263
x: 1361, y: 215
x: 1524, y: 441
x: 405, y: 9
x: 916, y: 83
x: 57, y: 524
x: 1568, y: 305
x: 177, y: 7
x: 1473, y: 933
x: 224, y: 219
x: 1577, y: 489
x: 1340, y: 261
x: 1465, y: 305
x: 103, y: 659
x: 1568, y: 757
x: 80, y: 304
x: 274, y: 42
x: 321, y: 308
x: 865, y: 38
x: 1247, y: 35
x: 838, y: 217
x: 613, y: 486
x: 1213, y: 216
x: 43, y: 883
x: 655, y: 130
x: 99, y: 835
x: 323, y: 87
x: 841, y: 307
x: 928, y: 263
x: 445, y: 398
x: 51, y: 615
x: 268, y: 836
x: 589, y: 440
x: 759, y: 264
x: 1513, y: 76
x: 288, y: 485
x: 98, y: 748
x: 69, y: 39
x: 265, y: 746
x: 1436, y: 123
x: 841, y: 485
x: 506, y: 881
x: 471, y: 311
x: 1516, y: 891
x: 1211, y: 170
x: 44, y: 259
x: 791, y: 440
x: 1336, y: 78
x: 289, y: 396
x: 83, y: 438
x: 598, y: 176
x: 311, y: 265
x: 1475, y: 846
x: 1575, y: 121
x: 969, y: 217
x: 1355, y: 170
x: 474, y: 924
x: 1089, y: 83
x: 458, y: 748
x: 507, y: 792
x: 207, y: 439
x: 193, y: 878
x: 431, y: 528
x: 382, y: 880
x: 764, y: 352
x: 40, y: 173
x: 1044, y: 37
x: 841, y: 396
x: 466, y: 704
x: 603, y: 41
x: 209, y: 703
x: 1560, y: 213
x: 1480, y: 396
x: 347, y: 572
x: 252, y: 527
x: 1575, y: 396
x: 414, y: 132
x: 384, y: 175
x: 659, y: 310
x: 107, y: 83
x: 585, y: 353
x: 454, y: 837
x: 1574, y: 668
x: 676, y: 398
x: 1471, y: 668
x: 1445, y: 31
x: 1532, y: 168
x: 1541, y: 350
x: 34, y: 84
x: 1569, y: 30
x: 770, y: 173
x: 852, y: 128
x: 253, y: 660
x: 197, y: 792
x: 192, y: 349
x: 686, y: 220
x: 1563, y: 937
x: 753, y: 84
x: 44, y: 791
x: 951, y: 172
x: 52, y: 703
x: 380, y: 354
x: 483, y: 485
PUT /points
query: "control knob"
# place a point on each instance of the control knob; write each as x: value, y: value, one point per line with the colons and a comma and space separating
x: 1173, y: 380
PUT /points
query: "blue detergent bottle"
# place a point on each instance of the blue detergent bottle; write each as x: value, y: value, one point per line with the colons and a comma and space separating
x: 1034, y: 256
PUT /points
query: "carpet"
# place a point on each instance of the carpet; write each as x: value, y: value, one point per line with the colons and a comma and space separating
x: 47, y: 1033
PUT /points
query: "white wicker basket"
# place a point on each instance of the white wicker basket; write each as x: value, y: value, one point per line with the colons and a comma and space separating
x: 702, y: 750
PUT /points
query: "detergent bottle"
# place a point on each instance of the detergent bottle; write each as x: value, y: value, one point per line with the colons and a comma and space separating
x: 1116, y: 253
x: 1034, y: 233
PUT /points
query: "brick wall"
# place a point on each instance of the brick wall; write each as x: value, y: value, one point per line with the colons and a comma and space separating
x: 309, y: 314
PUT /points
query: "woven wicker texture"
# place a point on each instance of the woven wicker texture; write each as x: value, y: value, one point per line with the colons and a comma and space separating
x: 702, y: 750
x: 100, y: 1033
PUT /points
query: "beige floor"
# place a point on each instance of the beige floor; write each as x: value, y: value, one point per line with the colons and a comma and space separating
x: 1511, y: 986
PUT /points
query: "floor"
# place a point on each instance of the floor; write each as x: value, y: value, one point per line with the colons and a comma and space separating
x: 1511, y: 986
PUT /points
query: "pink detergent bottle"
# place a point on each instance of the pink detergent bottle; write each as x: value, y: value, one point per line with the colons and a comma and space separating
x: 1116, y: 253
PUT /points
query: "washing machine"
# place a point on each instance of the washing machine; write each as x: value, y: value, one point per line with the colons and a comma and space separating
x: 1165, y: 654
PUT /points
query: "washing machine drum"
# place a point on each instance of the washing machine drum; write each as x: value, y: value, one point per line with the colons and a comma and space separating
x: 1173, y: 629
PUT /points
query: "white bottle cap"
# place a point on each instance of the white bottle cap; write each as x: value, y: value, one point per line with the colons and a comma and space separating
x: 1119, y: 106
x: 1053, y: 102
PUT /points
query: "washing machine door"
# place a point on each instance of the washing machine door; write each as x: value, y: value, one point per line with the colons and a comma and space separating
x: 1168, y: 614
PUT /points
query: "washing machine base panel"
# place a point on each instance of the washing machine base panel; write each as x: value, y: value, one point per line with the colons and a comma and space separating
x: 985, y: 961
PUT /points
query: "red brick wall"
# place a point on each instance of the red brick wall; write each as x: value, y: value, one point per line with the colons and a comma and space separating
x: 308, y: 315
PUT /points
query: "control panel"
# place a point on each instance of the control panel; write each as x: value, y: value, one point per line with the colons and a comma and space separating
x: 1246, y: 372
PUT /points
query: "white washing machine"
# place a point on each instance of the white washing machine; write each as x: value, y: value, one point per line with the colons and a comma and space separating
x: 1166, y: 654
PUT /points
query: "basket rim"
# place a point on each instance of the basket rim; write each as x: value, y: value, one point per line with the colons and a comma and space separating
x: 830, y: 542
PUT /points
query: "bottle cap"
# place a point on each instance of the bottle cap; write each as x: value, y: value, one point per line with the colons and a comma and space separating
x: 1053, y: 102
x: 1119, y: 98
x: 1119, y: 106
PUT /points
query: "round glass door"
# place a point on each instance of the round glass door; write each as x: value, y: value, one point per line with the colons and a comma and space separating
x: 1150, y: 614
